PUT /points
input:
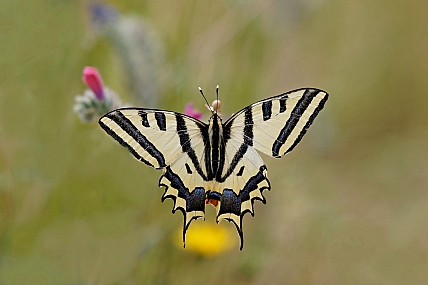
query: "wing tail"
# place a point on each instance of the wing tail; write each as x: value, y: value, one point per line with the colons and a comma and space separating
x: 232, y: 207
x: 191, y: 203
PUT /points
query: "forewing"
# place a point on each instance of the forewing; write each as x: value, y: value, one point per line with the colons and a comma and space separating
x: 280, y: 122
x: 154, y: 137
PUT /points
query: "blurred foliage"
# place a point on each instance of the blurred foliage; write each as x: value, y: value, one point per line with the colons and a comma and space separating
x: 348, y: 206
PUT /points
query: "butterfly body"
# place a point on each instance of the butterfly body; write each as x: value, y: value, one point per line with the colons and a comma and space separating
x: 216, y: 163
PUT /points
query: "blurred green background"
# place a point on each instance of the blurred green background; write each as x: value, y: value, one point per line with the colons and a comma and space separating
x: 347, y: 206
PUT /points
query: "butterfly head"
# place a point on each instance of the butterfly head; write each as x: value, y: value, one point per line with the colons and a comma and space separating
x: 215, y: 105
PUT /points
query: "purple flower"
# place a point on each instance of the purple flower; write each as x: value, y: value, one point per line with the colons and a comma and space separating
x: 93, y: 79
x: 190, y: 111
x: 102, y: 14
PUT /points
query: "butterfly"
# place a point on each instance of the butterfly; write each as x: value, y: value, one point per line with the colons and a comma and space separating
x: 216, y: 163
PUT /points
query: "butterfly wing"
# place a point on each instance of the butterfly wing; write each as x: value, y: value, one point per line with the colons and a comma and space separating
x: 242, y: 181
x: 169, y: 141
x: 273, y: 126
x: 278, y: 123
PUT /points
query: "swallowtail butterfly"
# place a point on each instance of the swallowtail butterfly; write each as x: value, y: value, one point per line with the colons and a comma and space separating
x: 216, y: 163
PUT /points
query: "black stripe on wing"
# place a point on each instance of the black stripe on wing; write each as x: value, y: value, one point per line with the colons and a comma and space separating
x: 160, y: 120
x: 123, y: 143
x: 128, y: 127
x: 296, y: 114
x: 248, y: 141
x: 282, y: 104
x: 308, y: 123
x: 186, y: 145
x: 267, y: 110
x: 144, y: 120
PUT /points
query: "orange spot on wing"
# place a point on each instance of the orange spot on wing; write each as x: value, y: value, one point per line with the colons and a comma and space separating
x: 213, y: 202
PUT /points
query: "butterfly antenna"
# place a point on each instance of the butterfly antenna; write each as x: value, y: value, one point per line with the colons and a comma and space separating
x: 202, y: 93
x: 216, y: 91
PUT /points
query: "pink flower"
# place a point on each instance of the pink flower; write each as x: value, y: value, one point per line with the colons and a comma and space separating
x: 93, y: 79
x: 190, y: 111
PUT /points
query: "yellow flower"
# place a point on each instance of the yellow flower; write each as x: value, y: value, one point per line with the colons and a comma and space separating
x: 205, y: 239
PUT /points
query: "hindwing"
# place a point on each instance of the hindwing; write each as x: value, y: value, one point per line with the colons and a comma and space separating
x: 241, y: 182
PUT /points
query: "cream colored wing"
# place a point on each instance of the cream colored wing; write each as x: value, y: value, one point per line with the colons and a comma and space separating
x: 186, y: 187
x: 242, y: 181
x: 154, y: 137
x: 169, y: 141
x: 274, y: 126
x: 278, y: 123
